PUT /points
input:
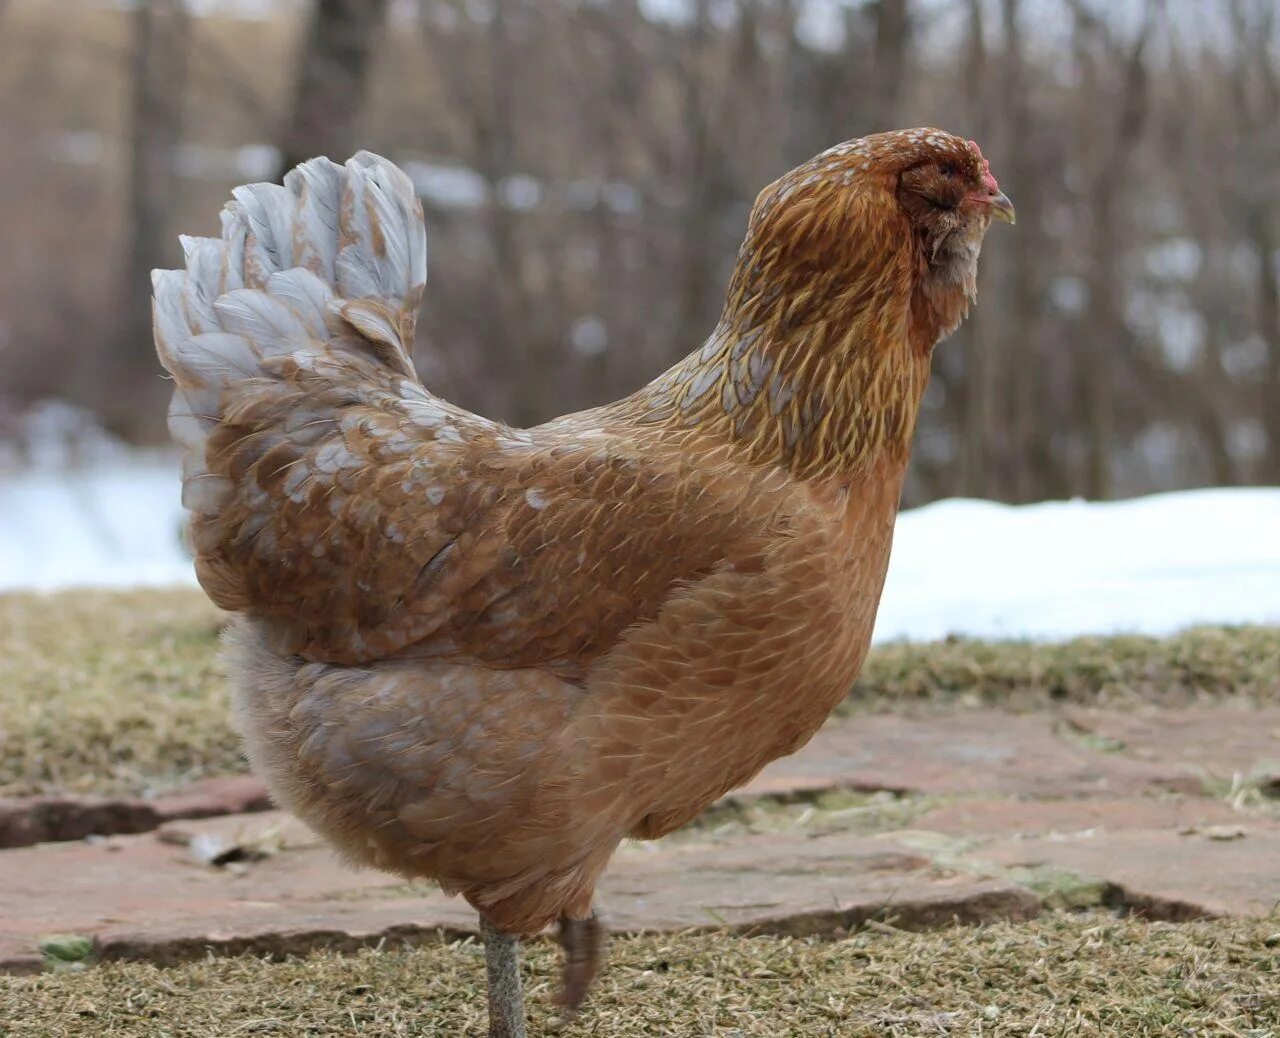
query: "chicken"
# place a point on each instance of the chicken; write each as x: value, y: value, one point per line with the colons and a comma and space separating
x: 486, y: 655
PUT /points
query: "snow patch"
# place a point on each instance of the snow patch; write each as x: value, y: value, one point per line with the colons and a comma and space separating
x: 1152, y: 565
x: 113, y: 525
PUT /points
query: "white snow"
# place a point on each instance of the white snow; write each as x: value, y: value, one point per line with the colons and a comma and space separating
x: 1151, y: 565
x: 113, y: 524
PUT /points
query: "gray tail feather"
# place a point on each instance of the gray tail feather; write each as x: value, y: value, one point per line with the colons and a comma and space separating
x: 335, y: 259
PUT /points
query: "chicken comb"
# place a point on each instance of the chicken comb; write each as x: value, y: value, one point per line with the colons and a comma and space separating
x: 988, y: 178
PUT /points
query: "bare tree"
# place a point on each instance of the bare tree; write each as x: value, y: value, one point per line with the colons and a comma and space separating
x: 332, y: 80
x: 893, y: 35
x: 1111, y: 149
x: 977, y: 433
x: 1256, y: 111
x: 161, y: 30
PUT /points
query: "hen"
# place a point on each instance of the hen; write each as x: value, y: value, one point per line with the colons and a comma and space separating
x: 487, y: 655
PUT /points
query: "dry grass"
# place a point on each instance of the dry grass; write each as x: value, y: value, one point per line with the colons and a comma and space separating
x: 1200, y: 663
x: 1061, y: 975
x: 110, y: 691
x: 120, y: 692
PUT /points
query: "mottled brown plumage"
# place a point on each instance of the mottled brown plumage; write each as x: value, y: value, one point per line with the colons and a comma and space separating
x: 487, y: 655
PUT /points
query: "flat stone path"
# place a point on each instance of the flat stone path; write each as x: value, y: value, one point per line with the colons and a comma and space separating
x: 981, y: 751
x: 959, y: 817
x: 28, y: 820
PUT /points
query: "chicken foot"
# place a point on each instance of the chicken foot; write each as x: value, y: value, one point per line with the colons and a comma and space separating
x: 502, y: 965
x: 583, y: 941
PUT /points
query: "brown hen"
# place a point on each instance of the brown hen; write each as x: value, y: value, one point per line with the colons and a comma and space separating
x: 487, y: 655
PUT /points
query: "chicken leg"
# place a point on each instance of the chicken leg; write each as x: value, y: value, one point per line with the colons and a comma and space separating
x: 583, y: 943
x: 502, y: 964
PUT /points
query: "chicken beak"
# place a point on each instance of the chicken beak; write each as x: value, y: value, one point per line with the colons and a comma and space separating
x: 1001, y: 207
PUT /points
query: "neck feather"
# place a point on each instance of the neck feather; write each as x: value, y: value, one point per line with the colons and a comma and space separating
x: 822, y: 374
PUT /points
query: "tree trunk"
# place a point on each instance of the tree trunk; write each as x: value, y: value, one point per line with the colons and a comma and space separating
x: 332, y: 80
x: 696, y: 258
x: 1030, y: 427
x: 1265, y: 251
x: 977, y: 424
x: 893, y: 37
x: 1257, y: 202
x: 161, y: 30
x: 1109, y: 334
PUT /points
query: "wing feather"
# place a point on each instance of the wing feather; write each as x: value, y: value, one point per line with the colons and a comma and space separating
x: 357, y: 514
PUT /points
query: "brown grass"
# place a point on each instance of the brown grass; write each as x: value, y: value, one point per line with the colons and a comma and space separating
x: 110, y: 691
x: 1061, y: 975
x: 1200, y: 663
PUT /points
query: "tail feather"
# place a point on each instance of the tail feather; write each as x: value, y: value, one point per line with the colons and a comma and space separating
x: 266, y: 322
x: 332, y: 262
x: 269, y: 211
x: 305, y: 294
x: 383, y: 252
x: 318, y: 186
x: 235, y: 229
x: 203, y: 282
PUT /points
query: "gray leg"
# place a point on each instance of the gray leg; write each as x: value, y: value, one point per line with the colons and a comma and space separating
x: 502, y: 961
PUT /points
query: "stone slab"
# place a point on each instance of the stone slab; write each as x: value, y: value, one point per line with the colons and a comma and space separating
x: 978, y: 751
x: 30, y: 820
x: 1172, y: 874
x: 1062, y: 818
x: 147, y: 896
x: 1218, y: 740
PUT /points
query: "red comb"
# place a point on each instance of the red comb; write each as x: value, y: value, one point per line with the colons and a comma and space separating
x: 988, y: 178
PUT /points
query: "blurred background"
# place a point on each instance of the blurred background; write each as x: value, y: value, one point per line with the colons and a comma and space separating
x: 586, y: 167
